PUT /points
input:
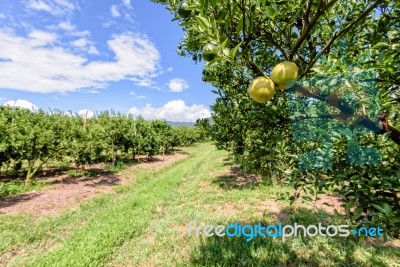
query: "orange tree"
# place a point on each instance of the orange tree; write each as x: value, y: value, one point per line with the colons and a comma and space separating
x: 347, y: 53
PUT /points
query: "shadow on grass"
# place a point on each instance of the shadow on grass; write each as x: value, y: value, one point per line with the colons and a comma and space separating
x: 236, y: 179
x: 295, y: 251
x: 143, y: 159
x: 182, y: 150
x: 96, y: 177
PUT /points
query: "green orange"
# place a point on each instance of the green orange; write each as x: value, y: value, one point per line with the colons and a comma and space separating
x: 183, y: 10
x: 262, y: 89
x: 285, y: 74
x: 209, y: 52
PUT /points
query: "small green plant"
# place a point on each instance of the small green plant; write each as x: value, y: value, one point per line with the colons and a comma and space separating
x: 116, y: 167
x: 77, y: 174
x: 18, y: 187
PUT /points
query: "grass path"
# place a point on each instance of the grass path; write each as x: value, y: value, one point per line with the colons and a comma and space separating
x: 145, y: 224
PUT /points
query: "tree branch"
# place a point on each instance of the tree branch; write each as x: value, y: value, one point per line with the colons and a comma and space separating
x: 256, y: 69
x: 340, y: 33
x: 320, y: 11
x: 347, y: 112
x: 276, y: 44
x: 306, y: 14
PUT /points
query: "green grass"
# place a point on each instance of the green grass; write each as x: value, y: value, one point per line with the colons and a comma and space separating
x: 145, y: 224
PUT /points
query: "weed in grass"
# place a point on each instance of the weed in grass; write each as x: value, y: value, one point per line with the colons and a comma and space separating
x: 77, y: 173
x: 116, y: 167
x: 18, y: 187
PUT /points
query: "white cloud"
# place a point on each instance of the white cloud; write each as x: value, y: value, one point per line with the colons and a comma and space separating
x: 141, y: 97
x: 145, y: 83
x: 40, y: 38
x: 66, y: 26
x: 39, y: 6
x: 29, y: 66
x: 82, y: 42
x: 54, y: 7
x: 114, y: 11
x: 132, y: 93
x: 170, y: 69
x: 2, y: 16
x: 177, y: 85
x: 86, y: 45
x: 107, y: 24
x: 66, y: 4
x: 175, y: 110
x: 127, y: 3
x: 93, y: 50
x: 81, y: 34
x: 22, y: 103
x: 86, y: 113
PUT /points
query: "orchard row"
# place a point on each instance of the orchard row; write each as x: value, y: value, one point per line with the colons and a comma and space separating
x: 29, y: 140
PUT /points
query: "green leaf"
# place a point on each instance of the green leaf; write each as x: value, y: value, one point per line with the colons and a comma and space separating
x: 187, y: 23
x: 387, y: 208
x: 357, y: 213
x: 317, y: 70
x: 233, y: 52
x: 213, y: 62
x: 380, y: 45
x: 392, y: 34
x: 381, y: 58
x: 224, y: 43
x: 192, y: 7
x: 348, y: 84
x: 348, y: 133
x: 306, y: 198
x: 239, y: 26
x: 271, y: 12
x: 226, y: 51
x: 380, y: 208
x: 333, y: 82
x: 351, y: 203
x: 204, y: 22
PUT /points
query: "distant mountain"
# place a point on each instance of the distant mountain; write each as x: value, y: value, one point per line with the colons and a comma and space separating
x: 174, y: 123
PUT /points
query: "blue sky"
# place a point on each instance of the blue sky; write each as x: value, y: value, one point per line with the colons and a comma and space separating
x: 75, y: 55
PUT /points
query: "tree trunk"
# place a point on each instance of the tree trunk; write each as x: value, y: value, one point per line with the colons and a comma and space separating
x: 8, y: 164
x: 113, y: 154
x: 28, y: 178
x: 32, y: 171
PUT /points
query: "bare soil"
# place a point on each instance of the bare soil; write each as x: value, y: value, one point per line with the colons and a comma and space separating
x: 65, y: 192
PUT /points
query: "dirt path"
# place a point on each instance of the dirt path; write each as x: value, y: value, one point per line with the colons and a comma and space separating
x: 70, y: 192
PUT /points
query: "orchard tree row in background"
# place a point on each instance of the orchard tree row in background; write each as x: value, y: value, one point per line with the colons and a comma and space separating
x: 29, y: 140
x: 330, y: 42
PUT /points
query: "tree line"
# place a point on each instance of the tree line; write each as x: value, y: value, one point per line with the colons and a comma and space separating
x: 29, y: 140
